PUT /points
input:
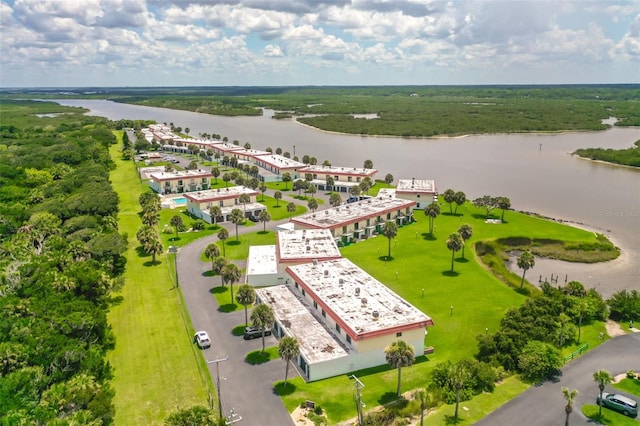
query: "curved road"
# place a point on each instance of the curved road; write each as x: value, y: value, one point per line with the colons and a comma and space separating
x: 544, y: 405
x: 246, y: 389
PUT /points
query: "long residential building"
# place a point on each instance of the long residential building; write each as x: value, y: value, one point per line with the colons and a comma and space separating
x: 180, y: 181
x: 342, y: 317
x: 199, y: 203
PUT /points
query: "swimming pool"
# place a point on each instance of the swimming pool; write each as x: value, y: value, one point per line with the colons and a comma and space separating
x: 181, y: 201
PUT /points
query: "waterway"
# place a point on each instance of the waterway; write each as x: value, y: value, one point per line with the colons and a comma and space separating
x: 536, y: 171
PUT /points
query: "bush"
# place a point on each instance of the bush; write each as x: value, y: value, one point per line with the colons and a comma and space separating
x: 198, y: 225
x: 625, y: 305
x: 318, y: 410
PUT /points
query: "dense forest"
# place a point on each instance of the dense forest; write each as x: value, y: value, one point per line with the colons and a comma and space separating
x: 409, y: 111
x: 60, y: 258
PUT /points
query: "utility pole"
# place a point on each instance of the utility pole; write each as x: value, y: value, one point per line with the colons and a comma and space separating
x: 217, y: 363
x: 359, y: 385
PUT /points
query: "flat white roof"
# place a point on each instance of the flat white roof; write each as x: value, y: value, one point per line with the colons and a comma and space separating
x: 280, y: 161
x: 387, y: 192
x: 317, y: 344
x: 306, y: 244
x: 416, y: 186
x: 335, y: 217
x: 180, y: 174
x: 219, y: 194
x: 360, y: 304
x: 228, y: 147
x: 335, y: 170
x: 262, y: 260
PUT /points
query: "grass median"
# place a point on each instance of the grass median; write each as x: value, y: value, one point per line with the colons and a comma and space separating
x: 157, y: 369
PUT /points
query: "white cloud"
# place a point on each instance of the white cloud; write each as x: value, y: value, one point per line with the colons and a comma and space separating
x: 279, y: 41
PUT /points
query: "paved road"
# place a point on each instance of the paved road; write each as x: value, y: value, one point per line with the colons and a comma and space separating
x: 245, y: 388
x: 544, y: 405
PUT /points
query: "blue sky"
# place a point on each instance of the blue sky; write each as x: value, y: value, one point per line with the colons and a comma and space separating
x: 79, y: 43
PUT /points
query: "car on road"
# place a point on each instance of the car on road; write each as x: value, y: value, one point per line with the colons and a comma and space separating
x: 619, y: 403
x: 202, y: 339
x: 254, y: 332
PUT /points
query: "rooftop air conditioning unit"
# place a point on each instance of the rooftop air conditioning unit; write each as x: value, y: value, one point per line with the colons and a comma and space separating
x: 364, y: 301
x: 357, y: 291
x: 376, y: 314
x: 326, y: 272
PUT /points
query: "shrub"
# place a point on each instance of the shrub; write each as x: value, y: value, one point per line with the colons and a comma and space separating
x: 198, y: 225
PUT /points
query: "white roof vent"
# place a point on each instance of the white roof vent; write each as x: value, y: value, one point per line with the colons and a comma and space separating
x: 326, y: 272
x: 340, y: 281
x: 364, y: 300
x: 357, y: 291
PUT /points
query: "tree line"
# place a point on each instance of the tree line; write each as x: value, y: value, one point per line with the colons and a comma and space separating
x: 61, y: 255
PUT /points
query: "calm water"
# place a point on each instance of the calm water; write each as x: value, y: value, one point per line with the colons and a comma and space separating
x: 535, y: 171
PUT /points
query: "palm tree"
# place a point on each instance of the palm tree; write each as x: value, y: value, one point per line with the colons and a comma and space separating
x: 215, y: 172
x: 244, y: 199
x: 368, y: 164
x: 236, y: 217
x: 570, y: 397
x: 176, y: 222
x: 426, y: 400
x: 211, y: 252
x: 291, y: 208
x: 389, y: 230
x: 454, y: 243
x: 449, y: 197
x: 335, y: 199
x: 286, y: 178
x: 215, y: 212
x: 388, y: 178
x: 399, y: 354
x: 278, y: 196
x: 432, y: 211
x: 246, y: 296
x: 465, y: 231
x: 231, y: 274
x: 526, y: 261
x: 223, y: 234
x: 460, y: 198
x: 330, y: 181
x: 264, y: 217
x: 263, y: 189
x: 459, y: 375
x: 504, y: 203
x: 262, y: 316
x: 288, y: 349
x: 153, y: 247
x: 218, y: 264
x: 602, y: 378
x: 312, y: 204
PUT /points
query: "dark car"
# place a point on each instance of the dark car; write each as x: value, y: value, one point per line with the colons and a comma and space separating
x: 619, y: 403
x: 254, y: 332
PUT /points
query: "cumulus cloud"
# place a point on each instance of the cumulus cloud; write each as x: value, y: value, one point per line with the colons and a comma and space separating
x: 279, y: 40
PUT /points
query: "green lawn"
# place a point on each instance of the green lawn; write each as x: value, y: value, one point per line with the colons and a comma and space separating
x: 157, y: 368
x: 628, y: 385
x: 422, y: 261
x: 609, y: 417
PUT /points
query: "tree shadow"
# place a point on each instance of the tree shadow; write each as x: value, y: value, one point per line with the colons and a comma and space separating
x: 281, y: 389
x: 218, y: 290
x: 387, y: 397
x: 234, y: 243
x: 385, y: 258
x: 450, y: 273
x: 451, y: 420
x: 428, y: 237
x: 209, y: 273
x: 140, y: 251
x: 461, y: 260
x: 116, y: 300
x: 174, y: 238
x: 151, y: 263
x: 228, y: 307
x: 262, y: 232
x: 257, y: 357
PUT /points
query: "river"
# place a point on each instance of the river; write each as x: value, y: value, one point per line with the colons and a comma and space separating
x: 534, y: 170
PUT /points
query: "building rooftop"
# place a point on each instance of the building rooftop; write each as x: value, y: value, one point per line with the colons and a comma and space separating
x: 219, y: 194
x: 228, y: 147
x: 180, y: 174
x: 306, y: 245
x: 280, y: 161
x: 416, y: 186
x: 317, y: 344
x: 334, y: 217
x: 334, y: 170
x: 250, y: 152
x: 363, y: 306
x: 262, y: 260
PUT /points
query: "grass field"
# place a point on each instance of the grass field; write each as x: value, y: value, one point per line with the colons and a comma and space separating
x: 157, y: 369
x: 422, y: 261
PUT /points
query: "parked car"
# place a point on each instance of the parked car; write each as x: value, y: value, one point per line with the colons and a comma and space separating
x: 619, y: 403
x: 202, y: 339
x: 254, y: 332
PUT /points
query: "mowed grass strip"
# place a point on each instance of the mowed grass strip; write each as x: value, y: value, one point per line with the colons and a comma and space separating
x: 156, y: 369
